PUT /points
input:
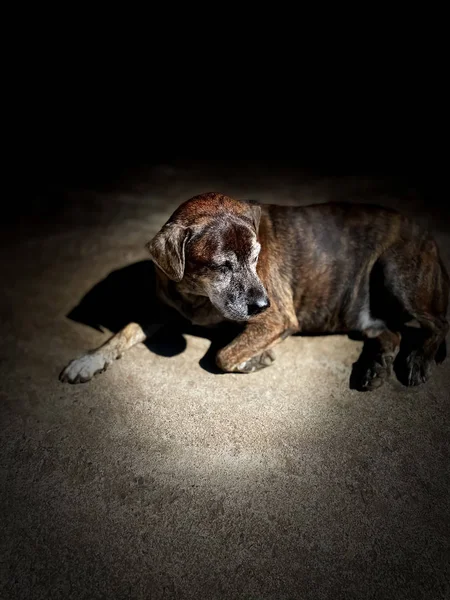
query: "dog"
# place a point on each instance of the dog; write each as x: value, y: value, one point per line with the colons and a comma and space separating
x: 279, y: 270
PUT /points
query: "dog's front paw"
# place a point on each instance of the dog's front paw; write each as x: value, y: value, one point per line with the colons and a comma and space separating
x: 256, y: 362
x: 84, y: 368
x: 261, y: 361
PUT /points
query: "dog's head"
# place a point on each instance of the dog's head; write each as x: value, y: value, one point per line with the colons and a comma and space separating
x: 210, y: 247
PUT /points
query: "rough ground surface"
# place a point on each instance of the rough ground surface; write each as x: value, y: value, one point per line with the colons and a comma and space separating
x: 161, y: 479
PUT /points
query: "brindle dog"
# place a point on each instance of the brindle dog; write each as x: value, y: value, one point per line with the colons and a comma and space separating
x: 279, y: 270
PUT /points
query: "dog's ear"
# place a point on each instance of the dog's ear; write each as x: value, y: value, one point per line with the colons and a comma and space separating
x: 254, y: 212
x: 167, y: 250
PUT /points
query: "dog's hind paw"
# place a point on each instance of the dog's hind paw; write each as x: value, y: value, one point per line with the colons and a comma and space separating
x: 367, y: 376
x: 84, y: 368
x: 418, y: 369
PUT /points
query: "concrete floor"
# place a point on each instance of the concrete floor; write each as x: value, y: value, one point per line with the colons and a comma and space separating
x: 162, y: 479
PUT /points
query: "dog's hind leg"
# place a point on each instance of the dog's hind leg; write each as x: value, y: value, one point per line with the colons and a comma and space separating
x: 421, y: 285
x: 82, y: 369
x: 375, y: 363
x: 415, y: 368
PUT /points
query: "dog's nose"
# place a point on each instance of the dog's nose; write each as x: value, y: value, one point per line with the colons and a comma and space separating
x: 258, y: 306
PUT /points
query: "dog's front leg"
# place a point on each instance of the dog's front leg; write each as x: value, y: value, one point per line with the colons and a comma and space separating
x: 252, y: 349
x: 82, y: 369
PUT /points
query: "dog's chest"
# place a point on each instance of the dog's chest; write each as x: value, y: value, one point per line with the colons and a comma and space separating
x: 197, y: 309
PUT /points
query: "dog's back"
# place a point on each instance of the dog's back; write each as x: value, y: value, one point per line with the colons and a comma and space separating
x: 332, y: 255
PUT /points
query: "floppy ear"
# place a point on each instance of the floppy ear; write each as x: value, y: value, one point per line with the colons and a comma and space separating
x: 254, y: 212
x: 167, y: 250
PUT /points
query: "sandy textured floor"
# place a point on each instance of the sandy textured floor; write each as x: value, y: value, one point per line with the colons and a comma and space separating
x: 161, y: 479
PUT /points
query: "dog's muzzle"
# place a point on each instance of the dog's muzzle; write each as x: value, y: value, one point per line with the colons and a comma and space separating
x: 258, y: 305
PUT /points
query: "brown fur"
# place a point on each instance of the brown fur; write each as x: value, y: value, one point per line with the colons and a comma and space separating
x: 321, y: 269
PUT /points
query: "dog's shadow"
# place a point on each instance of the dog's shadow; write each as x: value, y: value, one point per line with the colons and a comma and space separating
x: 128, y: 295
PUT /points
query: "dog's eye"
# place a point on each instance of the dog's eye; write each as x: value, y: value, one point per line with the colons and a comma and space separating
x: 226, y: 266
